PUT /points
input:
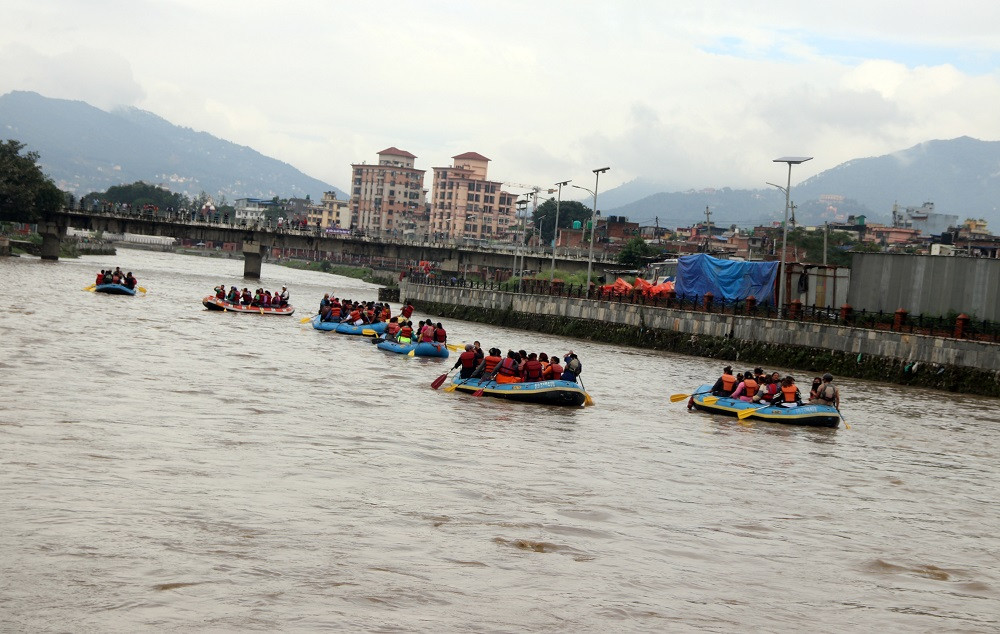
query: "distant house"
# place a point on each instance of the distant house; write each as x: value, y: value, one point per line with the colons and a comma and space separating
x: 251, y: 209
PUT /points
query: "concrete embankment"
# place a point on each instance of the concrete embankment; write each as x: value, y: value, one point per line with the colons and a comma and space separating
x: 956, y: 365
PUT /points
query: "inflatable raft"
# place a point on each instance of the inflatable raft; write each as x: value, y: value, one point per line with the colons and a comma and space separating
x: 214, y: 303
x: 114, y: 289
x: 811, y: 415
x: 435, y: 349
x: 542, y: 392
x: 398, y: 348
x: 363, y: 329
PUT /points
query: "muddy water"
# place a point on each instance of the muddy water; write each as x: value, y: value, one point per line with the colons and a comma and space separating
x: 165, y: 468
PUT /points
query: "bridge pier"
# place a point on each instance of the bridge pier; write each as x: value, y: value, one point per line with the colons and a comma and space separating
x: 252, y: 258
x: 51, y: 238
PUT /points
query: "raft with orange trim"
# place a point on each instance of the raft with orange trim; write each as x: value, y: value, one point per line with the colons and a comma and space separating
x: 214, y: 303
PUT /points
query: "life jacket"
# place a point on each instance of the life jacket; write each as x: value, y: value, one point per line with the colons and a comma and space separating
x: 386, y: 313
x: 335, y: 310
x: 355, y: 315
x: 406, y: 332
x: 491, y: 363
x: 220, y: 293
x: 507, y: 367
x: 824, y: 391
x: 392, y: 328
x: 532, y: 370
x: 728, y: 382
x: 370, y: 314
x: 788, y: 393
x: 427, y: 334
x: 468, y: 359
x: 115, y: 279
x: 440, y: 335
x: 407, y: 311
x: 265, y: 300
x: 100, y: 278
x: 554, y: 370
x: 749, y: 387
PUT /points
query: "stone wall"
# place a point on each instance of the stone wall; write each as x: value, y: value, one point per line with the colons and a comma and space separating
x: 953, y: 364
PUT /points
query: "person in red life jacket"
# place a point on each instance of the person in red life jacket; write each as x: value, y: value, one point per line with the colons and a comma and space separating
x: 726, y: 383
x: 488, y: 363
x: 130, y: 282
x: 100, y: 280
x: 220, y: 291
x: 788, y: 395
x: 506, y: 370
x: 369, y: 313
x: 115, y: 279
x: 335, y: 312
x: 234, y: 296
x: 467, y: 361
x: 246, y: 297
x: 405, y: 333
x: 386, y: 311
x: 440, y: 335
x: 768, y: 388
x: 531, y: 369
x: 324, y: 313
x: 554, y: 370
x: 407, y: 310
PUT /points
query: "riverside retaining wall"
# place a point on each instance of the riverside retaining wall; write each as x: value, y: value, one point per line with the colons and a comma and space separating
x: 943, y: 363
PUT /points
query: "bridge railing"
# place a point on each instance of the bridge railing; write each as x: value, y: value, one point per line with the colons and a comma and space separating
x: 954, y: 326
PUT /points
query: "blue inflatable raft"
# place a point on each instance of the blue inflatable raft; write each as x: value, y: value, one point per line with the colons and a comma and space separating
x: 811, y: 415
x: 398, y: 348
x: 434, y: 349
x: 114, y: 289
x: 567, y: 393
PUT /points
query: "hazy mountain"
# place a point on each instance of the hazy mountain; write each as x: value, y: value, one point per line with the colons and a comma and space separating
x: 85, y: 149
x: 960, y: 176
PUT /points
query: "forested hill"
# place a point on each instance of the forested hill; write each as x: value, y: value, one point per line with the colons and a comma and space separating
x: 85, y: 149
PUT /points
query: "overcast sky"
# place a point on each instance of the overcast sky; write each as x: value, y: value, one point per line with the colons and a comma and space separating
x: 693, y: 94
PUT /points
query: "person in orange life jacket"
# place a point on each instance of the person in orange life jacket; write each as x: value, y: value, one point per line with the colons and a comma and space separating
x: 405, y: 333
x: 726, y: 383
x: 488, y: 363
x: 554, y: 371
x: 531, y: 369
x: 544, y: 360
x: 522, y: 356
x: 573, y: 367
x: 467, y: 361
x: 747, y: 388
x: 506, y: 370
x: 440, y: 335
x: 355, y: 317
x: 788, y: 394
x: 408, y: 310
x: 737, y: 386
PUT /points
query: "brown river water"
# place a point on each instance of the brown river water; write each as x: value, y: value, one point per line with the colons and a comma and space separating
x: 166, y: 468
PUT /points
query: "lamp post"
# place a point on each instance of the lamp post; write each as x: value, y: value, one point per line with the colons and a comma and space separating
x: 791, y: 160
x: 593, y: 221
x: 555, y: 231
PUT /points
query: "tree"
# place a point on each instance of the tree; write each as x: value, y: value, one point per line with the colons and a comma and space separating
x: 635, y: 253
x: 26, y: 193
x: 569, y: 211
x: 838, y: 245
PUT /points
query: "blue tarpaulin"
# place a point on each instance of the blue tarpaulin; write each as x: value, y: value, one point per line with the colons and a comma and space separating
x: 727, y: 280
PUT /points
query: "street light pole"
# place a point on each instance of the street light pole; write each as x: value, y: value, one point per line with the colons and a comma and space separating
x: 593, y: 221
x: 555, y: 231
x: 791, y: 160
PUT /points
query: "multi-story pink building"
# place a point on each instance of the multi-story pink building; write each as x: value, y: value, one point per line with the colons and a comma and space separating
x: 466, y: 204
x: 385, y: 195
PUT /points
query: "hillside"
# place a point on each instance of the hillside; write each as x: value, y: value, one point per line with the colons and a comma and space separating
x: 85, y: 149
x: 960, y: 176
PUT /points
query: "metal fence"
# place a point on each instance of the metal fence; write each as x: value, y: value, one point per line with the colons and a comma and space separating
x: 953, y: 326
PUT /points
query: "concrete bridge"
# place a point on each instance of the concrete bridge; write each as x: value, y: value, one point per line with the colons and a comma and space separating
x: 257, y: 241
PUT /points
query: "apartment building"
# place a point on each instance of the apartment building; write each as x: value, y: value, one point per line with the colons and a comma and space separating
x: 330, y: 213
x: 386, y: 194
x: 466, y: 204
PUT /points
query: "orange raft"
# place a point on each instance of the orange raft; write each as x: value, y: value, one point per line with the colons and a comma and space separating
x: 214, y: 303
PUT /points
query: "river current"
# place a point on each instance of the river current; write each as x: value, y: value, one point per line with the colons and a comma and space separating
x: 167, y: 468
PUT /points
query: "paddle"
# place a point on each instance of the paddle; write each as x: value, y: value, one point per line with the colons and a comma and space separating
x: 438, y: 381
x: 482, y: 386
x: 368, y: 332
x: 680, y: 397
x: 305, y: 319
x: 142, y: 289
x: 455, y: 348
x: 587, y: 401
x: 746, y: 413
x: 454, y: 386
x: 90, y: 288
x: 842, y: 417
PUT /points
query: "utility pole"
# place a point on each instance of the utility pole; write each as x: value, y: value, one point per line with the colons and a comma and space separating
x: 826, y: 232
x: 658, y: 230
x: 708, y: 228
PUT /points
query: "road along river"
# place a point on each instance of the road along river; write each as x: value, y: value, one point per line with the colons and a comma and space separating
x: 166, y: 468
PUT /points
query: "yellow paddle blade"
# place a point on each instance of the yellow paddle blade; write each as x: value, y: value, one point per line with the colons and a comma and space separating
x: 587, y: 401
x: 451, y: 388
x: 710, y: 400
x: 369, y: 332
x: 90, y: 288
x: 455, y: 348
x: 678, y: 397
x: 142, y: 289
x: 305, y: 319
x: 410, y: 354
x: 747, y: 413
